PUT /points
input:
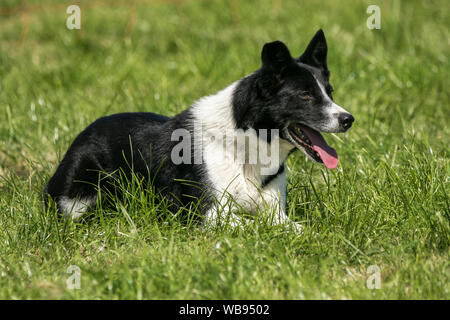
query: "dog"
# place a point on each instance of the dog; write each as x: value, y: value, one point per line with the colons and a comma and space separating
x: 291, y: 97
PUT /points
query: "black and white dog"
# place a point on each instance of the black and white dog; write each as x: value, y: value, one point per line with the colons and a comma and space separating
x: 290, y: 97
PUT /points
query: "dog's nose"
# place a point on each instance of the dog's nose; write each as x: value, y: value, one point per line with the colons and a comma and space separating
x: 346, y: 120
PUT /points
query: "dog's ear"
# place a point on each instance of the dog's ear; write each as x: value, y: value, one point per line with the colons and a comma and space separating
x: 316, y: 53
x: 275, y: 57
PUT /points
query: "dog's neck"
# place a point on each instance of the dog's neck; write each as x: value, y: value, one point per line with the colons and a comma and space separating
x: 215, y: 115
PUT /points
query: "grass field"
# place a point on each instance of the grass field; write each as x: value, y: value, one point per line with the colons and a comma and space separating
x: 387, y: 204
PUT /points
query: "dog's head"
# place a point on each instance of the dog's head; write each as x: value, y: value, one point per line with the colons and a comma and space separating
x: 294, y: 95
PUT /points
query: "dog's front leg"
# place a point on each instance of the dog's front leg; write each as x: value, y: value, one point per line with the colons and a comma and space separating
x: 275, y: 201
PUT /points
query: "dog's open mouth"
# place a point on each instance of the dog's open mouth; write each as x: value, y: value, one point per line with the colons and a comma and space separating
x: 313, y: 144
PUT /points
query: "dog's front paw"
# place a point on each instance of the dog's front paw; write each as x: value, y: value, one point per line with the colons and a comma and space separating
x: 297, y: 227
x: 294, y: 227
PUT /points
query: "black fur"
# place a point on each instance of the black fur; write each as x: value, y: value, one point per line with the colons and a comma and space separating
x: 270, y: 98
x: 141, y: 141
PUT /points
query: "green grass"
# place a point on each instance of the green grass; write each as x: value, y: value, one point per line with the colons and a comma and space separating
x: 387, y: 204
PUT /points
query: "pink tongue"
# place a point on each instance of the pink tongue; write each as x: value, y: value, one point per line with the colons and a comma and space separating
x: 327, y: 154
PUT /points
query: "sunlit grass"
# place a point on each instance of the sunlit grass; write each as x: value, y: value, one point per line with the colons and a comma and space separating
x: 387, y: 204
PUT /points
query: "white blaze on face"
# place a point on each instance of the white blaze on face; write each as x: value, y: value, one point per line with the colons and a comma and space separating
x: 333, y: 110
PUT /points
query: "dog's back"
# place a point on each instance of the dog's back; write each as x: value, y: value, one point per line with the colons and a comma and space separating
x: 108, y: 144
x: 291, y: 97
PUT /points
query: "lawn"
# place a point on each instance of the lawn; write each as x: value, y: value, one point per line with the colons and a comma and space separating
x: 385, y: 209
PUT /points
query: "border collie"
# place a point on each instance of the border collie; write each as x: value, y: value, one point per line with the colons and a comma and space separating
x: 290, y: 97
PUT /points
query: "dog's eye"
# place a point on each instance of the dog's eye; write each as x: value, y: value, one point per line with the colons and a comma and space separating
x: 305, y: 96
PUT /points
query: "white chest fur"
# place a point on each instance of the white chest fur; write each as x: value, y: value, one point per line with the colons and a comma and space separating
x: 235, y: 181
